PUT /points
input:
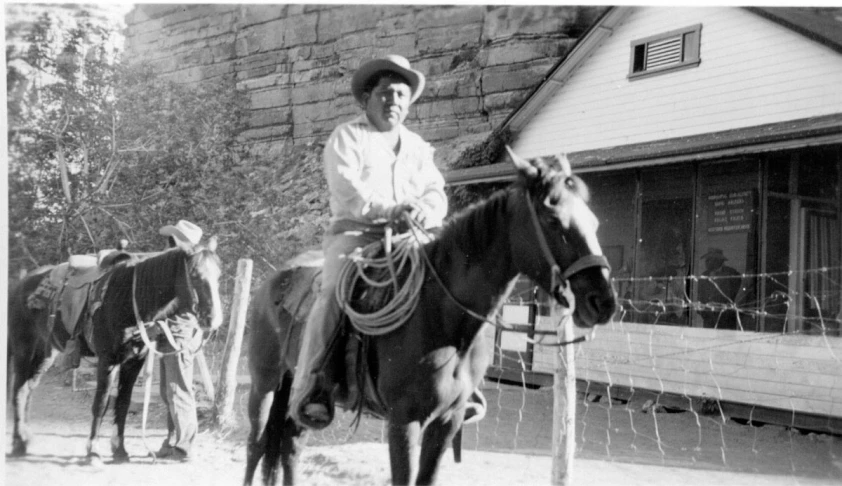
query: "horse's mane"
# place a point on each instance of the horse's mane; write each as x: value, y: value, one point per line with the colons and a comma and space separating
x: 156, y: 274
x: 471, y: 230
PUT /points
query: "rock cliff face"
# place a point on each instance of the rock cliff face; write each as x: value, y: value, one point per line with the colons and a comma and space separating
x: 296, y: 61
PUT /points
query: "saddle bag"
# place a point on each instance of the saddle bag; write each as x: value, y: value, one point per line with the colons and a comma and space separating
x: 43, y: 295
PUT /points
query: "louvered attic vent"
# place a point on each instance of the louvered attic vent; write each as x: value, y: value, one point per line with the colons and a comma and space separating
x: 677, y: 49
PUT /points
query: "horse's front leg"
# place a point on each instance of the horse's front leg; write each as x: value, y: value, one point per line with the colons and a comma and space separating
x: 106, y: 374
x: 403, y: 451
x: 128, y: 375
x: 28, y: 373
x: 434, y: 443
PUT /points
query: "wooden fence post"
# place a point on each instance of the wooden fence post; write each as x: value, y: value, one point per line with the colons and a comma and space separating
x: 564, y: 407
x: 223, y: 407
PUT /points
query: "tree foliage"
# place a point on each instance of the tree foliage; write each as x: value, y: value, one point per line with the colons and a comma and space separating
x: 101, y: 149
x: 487, y: 152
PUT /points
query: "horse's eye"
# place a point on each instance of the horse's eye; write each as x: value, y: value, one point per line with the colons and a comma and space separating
x: 570, y: 183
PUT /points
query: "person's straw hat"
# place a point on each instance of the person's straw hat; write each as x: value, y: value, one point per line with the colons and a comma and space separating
x: 183, y: 231
x: 390, y: 62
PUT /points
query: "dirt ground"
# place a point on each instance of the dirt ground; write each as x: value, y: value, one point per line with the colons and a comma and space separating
x: 616, y: 444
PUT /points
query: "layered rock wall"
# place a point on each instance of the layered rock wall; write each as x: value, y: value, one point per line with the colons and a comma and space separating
x: 296, y: 61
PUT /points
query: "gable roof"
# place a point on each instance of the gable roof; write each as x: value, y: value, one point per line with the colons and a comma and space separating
x: 822, y: 25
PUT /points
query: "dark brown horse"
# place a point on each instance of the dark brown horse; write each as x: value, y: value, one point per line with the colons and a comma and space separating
x: 427, y: 369
x: 183, y: 279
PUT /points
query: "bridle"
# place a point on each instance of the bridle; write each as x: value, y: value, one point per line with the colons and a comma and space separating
x: 559, y: 279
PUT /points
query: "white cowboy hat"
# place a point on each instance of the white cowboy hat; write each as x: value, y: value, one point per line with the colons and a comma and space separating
x: 184, y: 231
x: 390, y: 62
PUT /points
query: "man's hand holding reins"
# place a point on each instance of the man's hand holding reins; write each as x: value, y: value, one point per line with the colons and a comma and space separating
x: 395, y: 215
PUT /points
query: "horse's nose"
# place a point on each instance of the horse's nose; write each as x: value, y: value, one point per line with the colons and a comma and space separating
x: 604, y: 304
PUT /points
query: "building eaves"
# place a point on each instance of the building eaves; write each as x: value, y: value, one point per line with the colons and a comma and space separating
x: 822, y: 25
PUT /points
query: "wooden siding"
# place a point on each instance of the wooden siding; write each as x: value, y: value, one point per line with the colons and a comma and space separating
x: 752, y: 72
x: 790, y: 372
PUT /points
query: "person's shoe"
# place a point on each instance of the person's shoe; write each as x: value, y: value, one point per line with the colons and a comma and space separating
x: 317, y: 412
x: 173, y: 454
x: 179, y: 455
x: 164, y: 452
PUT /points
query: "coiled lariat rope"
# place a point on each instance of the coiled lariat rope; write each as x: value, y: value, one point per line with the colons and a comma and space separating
x: 365, y: 267
x: 379, y: 272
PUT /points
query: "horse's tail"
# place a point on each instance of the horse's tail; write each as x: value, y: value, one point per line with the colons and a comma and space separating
x: 13, y: 317
x: 278, y: 436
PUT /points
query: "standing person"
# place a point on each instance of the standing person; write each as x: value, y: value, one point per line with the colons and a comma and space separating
x: 177, y: 391
x: 720, y: 287
x: 376, y: 170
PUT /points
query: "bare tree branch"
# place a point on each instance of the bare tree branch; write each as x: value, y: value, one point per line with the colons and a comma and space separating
x: 87, y: 228
x: 22, y: 242
x: 120, y: 224
x: 62, y: 164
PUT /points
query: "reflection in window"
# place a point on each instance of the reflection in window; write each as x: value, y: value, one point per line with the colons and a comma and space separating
x: 749, y: 244
x: 613, y: 199
x: 662, y: 293
x: 822, y: 279
x: 775, y: 277
x: 726, y: 245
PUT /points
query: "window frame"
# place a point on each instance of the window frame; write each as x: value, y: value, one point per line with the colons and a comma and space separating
x: 690, y: 51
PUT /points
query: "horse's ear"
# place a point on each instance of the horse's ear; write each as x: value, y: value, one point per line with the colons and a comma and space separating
x: 523, y: 166
x: 212, y: 244
x: 564, y: 165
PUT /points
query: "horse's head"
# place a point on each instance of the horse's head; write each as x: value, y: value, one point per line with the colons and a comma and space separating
x: 204, y: 268
x: 554, y: 239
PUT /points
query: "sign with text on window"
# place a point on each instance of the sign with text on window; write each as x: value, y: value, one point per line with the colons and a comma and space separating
x: 729, y: 212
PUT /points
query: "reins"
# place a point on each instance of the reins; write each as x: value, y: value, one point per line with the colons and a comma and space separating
x: 561, y: 280
x: 402, y: 304
x: 161, y: 322
x: 398, y: 310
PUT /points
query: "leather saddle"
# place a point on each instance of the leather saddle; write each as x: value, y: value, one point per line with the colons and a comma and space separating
x: 298, y: 291
x: 350, y: 352
x: 72, y: 292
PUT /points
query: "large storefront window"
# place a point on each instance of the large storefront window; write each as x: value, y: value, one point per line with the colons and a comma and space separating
x: 749, y: 244
x: 726, y: 245
x: 617, y: 223
x: 802, y: 281
x: 662, y: 289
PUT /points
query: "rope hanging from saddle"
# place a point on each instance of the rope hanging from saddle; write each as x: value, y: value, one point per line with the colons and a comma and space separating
x: 379, y: 287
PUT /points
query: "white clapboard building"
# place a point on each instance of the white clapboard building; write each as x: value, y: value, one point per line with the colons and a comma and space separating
x: 706, y: 135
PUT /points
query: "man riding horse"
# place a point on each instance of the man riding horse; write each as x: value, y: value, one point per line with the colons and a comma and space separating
x: 377, y: 170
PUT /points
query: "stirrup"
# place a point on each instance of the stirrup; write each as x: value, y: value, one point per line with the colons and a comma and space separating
x: 475, y: 408
x: 318, y: 395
